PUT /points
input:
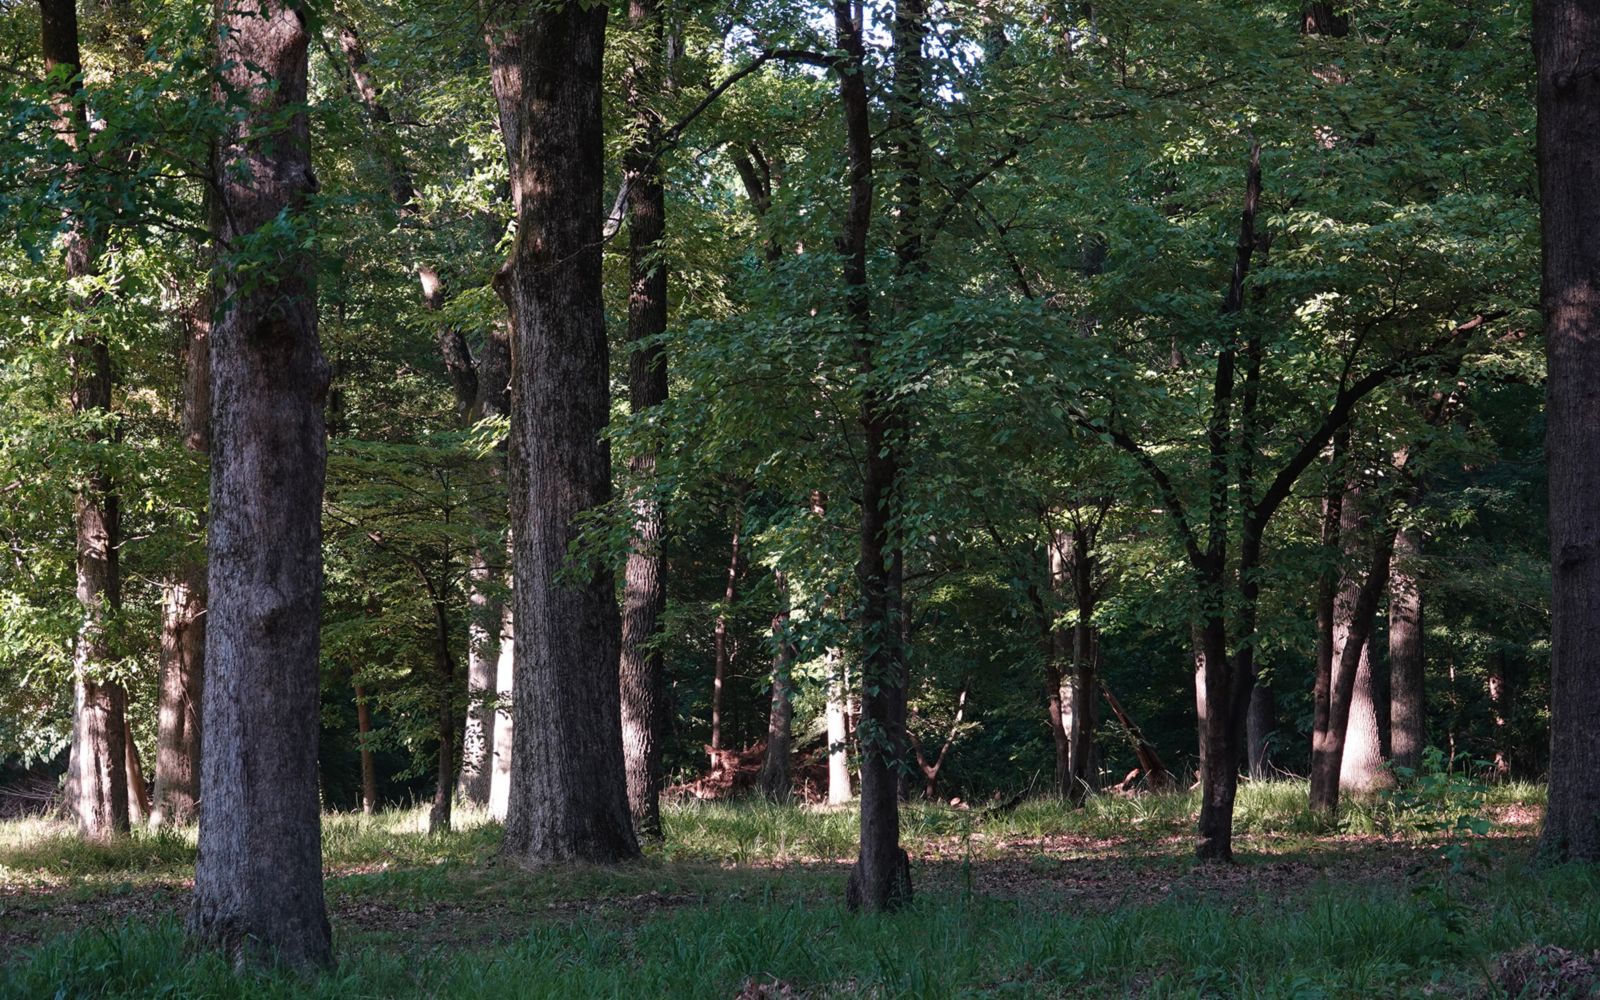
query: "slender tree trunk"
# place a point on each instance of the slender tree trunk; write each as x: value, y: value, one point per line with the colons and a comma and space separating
x: 445, y: 672
x: 838, y: 732
x: 1084, y: 764
x: 369, y: 770
x: 504, y: 723
x: 1407, y: 660
x: 258, y: 882
x: 1328, y: 589
x: 644, y: 600
x: 97, y: 789
x: 721, y: 654
x: 183, y: 615
x: 775, y: 777
x: 569, y: 797
x: 1566, y: 35
x: 881, y: 877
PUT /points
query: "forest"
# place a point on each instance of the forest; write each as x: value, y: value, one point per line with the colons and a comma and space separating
x: 762, y: 499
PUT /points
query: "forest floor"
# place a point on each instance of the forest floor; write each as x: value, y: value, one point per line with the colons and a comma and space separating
x: 1403, y: 898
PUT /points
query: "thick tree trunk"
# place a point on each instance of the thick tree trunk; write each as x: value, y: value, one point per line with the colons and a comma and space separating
x: 775, y: 778
x: 1362, y: 770
x: 644, y: 599
x: 258, y: 882
x: 1221, y: 735
x: 183, y: 615
x: 1566, y: 36
x: 568, y: 791
x: 1259, y: 727
x: 1407, y: 660
x: 1354, y: 613
x: 721, y: 654
x: 881, y: 877
x: 369, y: 770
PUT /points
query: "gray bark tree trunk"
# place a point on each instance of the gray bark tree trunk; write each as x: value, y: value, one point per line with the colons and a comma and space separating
x: 183, y: 616
x: 1566, y: 35
x: 568, y: 796
x: 644, y: 600
x: 258, y: 882
x: 1408, y: 733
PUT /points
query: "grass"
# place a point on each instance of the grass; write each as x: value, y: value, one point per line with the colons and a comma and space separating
x: 1041, y: 900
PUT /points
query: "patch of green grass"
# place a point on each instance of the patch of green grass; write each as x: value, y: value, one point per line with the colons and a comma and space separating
x: 1334, y: 941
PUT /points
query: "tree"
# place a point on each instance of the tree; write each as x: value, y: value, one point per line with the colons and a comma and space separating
x: 97, y: 782
x: 644, y: 580
x: 258, y: 882
x: 1566, y: 34
x: 568, y: 799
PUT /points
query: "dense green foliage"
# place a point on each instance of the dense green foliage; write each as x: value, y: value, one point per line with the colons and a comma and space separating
x: 1082, y: 190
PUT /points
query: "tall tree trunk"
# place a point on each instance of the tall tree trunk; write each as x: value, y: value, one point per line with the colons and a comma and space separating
x: 258, y: 882
x: 97, y: 789
x: 719, y: 642
x: 504, y: 723
x: 183, y: 614
x: 481, y: 391
x: 1407, y: 660
x: 881, y: 877
x: 569, y: 797
x: 1226, y: 680
x: 1084, y: 685
x: 1259, y: 726
x: 775, y: 778
x: 1354, y: 612
x: 1327, y: 596
x: 644, y: 599
x: 369, y: 770
x: 486, y: 587
x: 1362, y: 770
x: 838, y: 731
x: 138, y: 790
x: 445, y: 678
x: 1566, y: 35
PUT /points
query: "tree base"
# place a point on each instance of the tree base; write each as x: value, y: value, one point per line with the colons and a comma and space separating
x: 897, y: 896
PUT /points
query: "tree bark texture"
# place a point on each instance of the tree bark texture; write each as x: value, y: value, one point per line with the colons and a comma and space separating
x: 568, y: 796
x: 644, y: 599
x: 1408, y: 733
x: 1566, y: 36
x: 258, y: 882
x: 838, y: 724
x: 176, y: 798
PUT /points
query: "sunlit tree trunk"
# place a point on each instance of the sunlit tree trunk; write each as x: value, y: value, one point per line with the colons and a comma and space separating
x: 568, y: 798
x: 258, y: 882
x: 369, y: 770
x: 504, y: 723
